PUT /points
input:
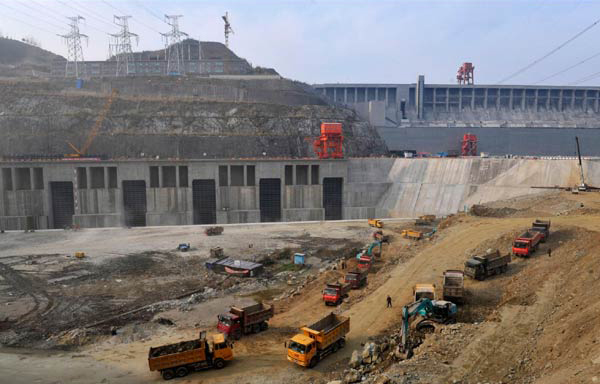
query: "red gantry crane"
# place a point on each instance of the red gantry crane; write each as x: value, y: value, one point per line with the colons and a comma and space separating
x: 329, y: 144
x: 466, y: 74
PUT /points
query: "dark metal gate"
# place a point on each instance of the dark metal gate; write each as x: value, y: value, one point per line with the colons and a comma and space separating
x: 204, y: 201
x: 332, y: 197
x: 134, y: 203
x: 270, y: 200
x: 63, y: 204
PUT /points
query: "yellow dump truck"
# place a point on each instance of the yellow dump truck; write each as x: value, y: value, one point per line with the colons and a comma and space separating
x: 411, y: 234
x: 318, y: 340
x: 421, y: 291
x: 376, y: 223
x: 179, y: 359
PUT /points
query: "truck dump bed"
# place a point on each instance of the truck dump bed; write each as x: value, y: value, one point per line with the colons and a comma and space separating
x: 541, y: 223
x: 328, y: 330
x: 255, y: 313
x: 453, y: 288
x: 173, y: 355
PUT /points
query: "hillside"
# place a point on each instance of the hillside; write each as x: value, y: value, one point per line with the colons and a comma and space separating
x: 19, y: 59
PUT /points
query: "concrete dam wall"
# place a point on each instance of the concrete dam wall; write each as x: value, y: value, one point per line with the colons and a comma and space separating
x: 60, y: 194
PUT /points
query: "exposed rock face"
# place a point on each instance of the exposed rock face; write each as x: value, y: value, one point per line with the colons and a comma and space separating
x: 41, y: 117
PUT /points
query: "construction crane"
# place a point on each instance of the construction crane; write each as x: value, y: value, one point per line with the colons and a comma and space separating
x: 81, y: 152
x: 466, y: 74
x: 228, y: 29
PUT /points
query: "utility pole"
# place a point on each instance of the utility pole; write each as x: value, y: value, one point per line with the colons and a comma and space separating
x: 228, y: 29
x: 121, y: 46
x: 173, y: 48
x: 73, y: 41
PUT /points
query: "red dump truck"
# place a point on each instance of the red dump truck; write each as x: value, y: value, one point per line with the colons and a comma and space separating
x: 357, y: 279
x: 242, y: 321
x: 491, y: 263
x: 334, y: 293
x: 454, y: 286
x: 527, y: 243
x: 364, y: 263
x: 543, y: 227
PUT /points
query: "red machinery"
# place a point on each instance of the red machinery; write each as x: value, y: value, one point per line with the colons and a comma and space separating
x: 329, y: 144
x: 466, y: 74
x: 469, y: 145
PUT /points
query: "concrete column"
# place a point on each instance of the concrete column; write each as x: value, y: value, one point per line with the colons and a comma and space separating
x: 572, y: 99
x: 345, y: 95
x: 387, y: 100
x: 335, y: 94
x: 523, y: 101
x: 434, y: 99
x: 160, y: 176
x: 498, y: 94
x: 447, y: 99
x: 13, y: 176
x: 596, y: 101
x: 245, y: 181
x: 31, y: 179
x: 548, y: 100
x: 106, y: 178
x: 536, y: 99
x: 560, y: 98
x: 460, y: 90
x: 419, y: 93
x: 229, y: 175
x: 472, y: 98
x: 88, y: 175
x: 510, y: 99
x: 309, y: 174
x: 294, y: 171
x: 356, y: 94
x: 485, y: 98
x: 177, y: 176
x: 584, y: 106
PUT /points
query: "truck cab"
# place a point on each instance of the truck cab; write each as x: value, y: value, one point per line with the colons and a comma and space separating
x: 332, y: 295
x: 422, y: 291
x: 364, y: 263
x: 474, y: 269
x: 230, y: 325
x: 521, y: 248
x: 301, y: 350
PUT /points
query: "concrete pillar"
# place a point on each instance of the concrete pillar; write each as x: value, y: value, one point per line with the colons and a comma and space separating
x: 472, y: 98
x: 31, y: 179
x: 160, y: 176
x: 345, y: 95
x: 88, y: 175
x: 584, y: 106
x: 356, y: 94
x: 229, y: 175
x: 177, y: 176
x: 596, y: 101
x: 245, y: 176
x: 434, y: 99
x: 572, y: 99
x: 523, y: 101
x: 560, y: 98
x: 447, y: 99
x: 498, y: 94
x: 419, y: 94
x: 335, y: 94
x: 460, y: 91
x: 548, y: 100
x: 106, y: 177
x: 510, y: 99
x: 387, y: 100
x: 536, y: 100
x: 294, y: 174
x: 485, y: 98
x: 309, y: 174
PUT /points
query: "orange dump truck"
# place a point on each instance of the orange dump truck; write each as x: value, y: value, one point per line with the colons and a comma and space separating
x: 318, y: 340
x: 179, y: 359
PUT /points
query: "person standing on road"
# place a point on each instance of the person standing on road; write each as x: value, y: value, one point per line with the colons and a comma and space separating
x: 389, y: 302
x: 549, y: 252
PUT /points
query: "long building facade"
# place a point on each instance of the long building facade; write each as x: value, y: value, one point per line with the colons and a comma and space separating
x: 508, y: 119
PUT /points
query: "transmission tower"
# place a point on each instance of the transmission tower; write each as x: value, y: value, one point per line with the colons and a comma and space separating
x: 121, y: 46
x: 173, y: 48
x: 228, y: 29
x: 73, y: 41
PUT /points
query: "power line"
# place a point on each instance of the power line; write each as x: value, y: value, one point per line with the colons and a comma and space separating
x: 586, y: 78
x: 34, y: 17
x: 25, y: 22
x: 135, y: 20
x: 568, y: 68
x: 525, y: 68
x: 83, y: 11
x: 149, y: 11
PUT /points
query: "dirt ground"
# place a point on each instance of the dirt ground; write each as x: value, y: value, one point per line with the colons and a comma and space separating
x: 537, y: 323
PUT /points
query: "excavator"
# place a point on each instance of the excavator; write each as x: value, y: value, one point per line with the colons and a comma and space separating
x: 82, y: 152
x: 431, y: 311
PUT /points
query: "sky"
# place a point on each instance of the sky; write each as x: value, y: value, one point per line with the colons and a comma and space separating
x: 349, y: 41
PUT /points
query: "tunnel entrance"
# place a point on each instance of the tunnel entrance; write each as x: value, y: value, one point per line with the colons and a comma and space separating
x: 134, y: 203
x: 204, y: 201
x: 270, y: 200
x: 63, y: 204
x: 332, y: 197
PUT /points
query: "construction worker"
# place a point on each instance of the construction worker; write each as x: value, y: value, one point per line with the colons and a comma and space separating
x: 549, y: 252
x: 389, y: 302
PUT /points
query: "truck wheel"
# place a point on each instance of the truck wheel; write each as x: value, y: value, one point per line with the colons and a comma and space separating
x: 264, y: 326
x: 181, y: 371
x: 341, y: 343
x: 256, y: 328
x: 219, y: 364
x: 334, y: 348
x: 167, y: 374
x: 313, y: 362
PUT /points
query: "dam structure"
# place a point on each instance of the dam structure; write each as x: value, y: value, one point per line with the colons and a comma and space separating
x: 507, y: 119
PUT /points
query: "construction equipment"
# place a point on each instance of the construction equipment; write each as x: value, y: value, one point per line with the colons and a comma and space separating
x: 177, y: 360
x: 466, y: 74
x: 241, y: 268
x: 411, y: 234
x: 421, y: 291
x: 217, y: 252
x: 425, y: 220
x: 364, y: 263
x: 335, y: 293
x: 432, y: 311
x: 330, y: 144
x: 527, y: 243
x: 379, y: 236
x: 491, y: 263
x: 356, y: 278
x: 95, y: 129
x: 469, y: 145
x: 454, y: 286
x: 213, y: 231
x: 543, y: 227
x: 79, y: 254
x: 183, y: 247
x: 318, y: 340
x: 375, y: 223
x: 246, y: 320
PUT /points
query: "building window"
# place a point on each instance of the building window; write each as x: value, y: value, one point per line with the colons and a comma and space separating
x: 237, y: 175
x: 183, y: 176
x: 81, y: 178
x: 169, y: 179
x: 250, y: 175
x: 314, y: 175
x: 289, y: 175
x: 223, y: 176
x: 154, y: 181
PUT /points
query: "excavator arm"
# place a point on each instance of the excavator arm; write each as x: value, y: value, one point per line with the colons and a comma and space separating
x: 422, y: 306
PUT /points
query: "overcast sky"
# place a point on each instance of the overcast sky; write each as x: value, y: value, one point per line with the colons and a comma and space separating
x: 359, y: 41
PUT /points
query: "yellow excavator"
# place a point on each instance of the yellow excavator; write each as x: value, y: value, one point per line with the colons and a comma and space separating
x: 81, y: 152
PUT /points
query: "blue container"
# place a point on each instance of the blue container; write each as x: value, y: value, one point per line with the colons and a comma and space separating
x: 79, y: 83
x: 299, y: 258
